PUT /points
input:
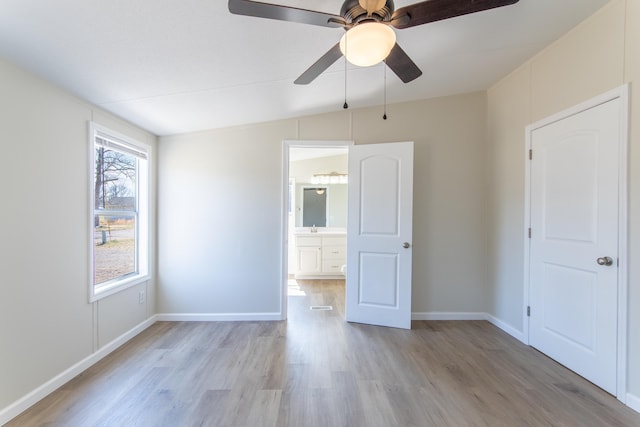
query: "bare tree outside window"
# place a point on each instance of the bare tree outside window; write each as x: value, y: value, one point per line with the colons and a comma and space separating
x: 115, y: 214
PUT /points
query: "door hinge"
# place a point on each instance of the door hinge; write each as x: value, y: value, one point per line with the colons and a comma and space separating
x: 528, y: 311
x: 530, y: 154
x: 529, y: 232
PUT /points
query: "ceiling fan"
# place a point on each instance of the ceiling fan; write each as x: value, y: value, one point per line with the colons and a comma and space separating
x: 368, y: 28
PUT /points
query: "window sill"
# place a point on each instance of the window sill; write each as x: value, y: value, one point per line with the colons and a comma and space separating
x: 117, y: 286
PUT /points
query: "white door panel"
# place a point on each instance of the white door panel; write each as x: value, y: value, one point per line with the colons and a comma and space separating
x: 574, y: 221
x: 570, y: 174
x: 379, y: 224
x: 569, y: 297
x: 379, y: 190
x: 378, y: 268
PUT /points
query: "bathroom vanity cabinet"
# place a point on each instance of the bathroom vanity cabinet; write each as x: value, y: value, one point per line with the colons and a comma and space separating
x: 308, y: 255
x: 320, y: 256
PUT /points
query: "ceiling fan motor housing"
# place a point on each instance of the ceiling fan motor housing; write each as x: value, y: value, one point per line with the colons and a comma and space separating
x: 353, y: 13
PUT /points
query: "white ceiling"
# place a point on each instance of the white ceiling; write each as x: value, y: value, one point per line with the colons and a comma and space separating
x: 180, y: 66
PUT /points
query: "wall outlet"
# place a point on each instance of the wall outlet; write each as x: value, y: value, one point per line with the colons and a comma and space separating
x: 141, y: 297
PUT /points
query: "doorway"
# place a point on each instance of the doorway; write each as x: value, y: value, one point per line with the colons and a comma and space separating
x: 315, y: 220
x: 379, y: 221
x: 576, y: 204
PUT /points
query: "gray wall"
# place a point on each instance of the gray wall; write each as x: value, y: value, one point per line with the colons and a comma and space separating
x: 220, y: 249
x: 46, y: 322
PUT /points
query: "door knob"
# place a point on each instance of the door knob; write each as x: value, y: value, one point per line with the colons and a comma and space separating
x: 406, y: 245
x: 605, y: 261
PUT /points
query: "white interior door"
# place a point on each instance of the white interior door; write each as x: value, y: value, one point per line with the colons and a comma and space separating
x: 573, y: 289
x: 379, y: 233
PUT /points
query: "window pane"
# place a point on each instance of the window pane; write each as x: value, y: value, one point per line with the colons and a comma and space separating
x: 115, y: 180
x: 115, y: 247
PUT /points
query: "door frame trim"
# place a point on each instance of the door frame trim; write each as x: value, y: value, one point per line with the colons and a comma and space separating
x: 284, y: 242
x: 621, y: 93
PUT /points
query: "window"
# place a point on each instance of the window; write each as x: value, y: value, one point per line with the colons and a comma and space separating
x: 119, y: 212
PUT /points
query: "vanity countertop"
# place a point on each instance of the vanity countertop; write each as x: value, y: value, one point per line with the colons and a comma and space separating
x: 321, y: 232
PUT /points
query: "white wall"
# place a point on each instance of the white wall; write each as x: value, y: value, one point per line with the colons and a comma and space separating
x: 600, y: 54
x: 46, y: 322
x: 220, y: 200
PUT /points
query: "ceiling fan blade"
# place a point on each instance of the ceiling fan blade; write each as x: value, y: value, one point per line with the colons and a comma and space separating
x: 402, y: 65
x: 320, y: 65
x: 284, y: 13
x: 436, y: 10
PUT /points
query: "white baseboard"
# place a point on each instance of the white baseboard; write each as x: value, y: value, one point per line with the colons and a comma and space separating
x: 217, y: 317
x: 442, y: 315
x: 24, y: 403
x: 519, y: 335
x: 633, y: 402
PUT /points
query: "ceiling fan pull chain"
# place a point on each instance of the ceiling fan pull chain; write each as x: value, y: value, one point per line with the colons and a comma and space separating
x: 384, y: 114
x: 345, y: 106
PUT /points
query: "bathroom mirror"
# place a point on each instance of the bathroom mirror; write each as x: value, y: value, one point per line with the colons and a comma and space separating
x: 314, y: 206
x: 335, y: 205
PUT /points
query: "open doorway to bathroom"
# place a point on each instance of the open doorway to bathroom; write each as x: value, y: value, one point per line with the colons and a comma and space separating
x: 316, y: 226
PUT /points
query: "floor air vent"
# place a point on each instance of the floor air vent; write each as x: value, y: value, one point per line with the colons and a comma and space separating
x: 321, y: 307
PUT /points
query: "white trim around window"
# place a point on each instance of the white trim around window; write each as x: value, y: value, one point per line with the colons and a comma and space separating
x: 132, y: 210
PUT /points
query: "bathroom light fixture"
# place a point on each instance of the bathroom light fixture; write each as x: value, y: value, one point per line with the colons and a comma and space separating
x: 330, y: 178
x: 367, y: 44
x: 320, y: 191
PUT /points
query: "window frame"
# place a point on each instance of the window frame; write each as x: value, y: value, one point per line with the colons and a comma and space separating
x: 143, y: 154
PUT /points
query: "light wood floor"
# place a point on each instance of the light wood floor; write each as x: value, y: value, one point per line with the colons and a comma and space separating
x: 318, y: 370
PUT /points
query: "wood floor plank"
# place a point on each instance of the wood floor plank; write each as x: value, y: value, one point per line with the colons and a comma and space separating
x: 317, y: 370
x: 265, y: 408
x: 210, y: 409
x: 347, y: 399
x: 378, y: 411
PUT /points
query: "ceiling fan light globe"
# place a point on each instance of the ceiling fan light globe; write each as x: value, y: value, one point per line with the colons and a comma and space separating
x: 368, y: 43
